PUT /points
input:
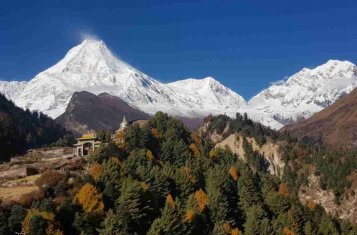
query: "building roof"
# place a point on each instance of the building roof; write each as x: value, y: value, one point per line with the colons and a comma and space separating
x: 88, y: 137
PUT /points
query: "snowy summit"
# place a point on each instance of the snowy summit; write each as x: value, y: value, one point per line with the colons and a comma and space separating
x: 92, y: 67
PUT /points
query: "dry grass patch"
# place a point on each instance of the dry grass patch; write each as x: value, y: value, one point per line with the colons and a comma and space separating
x: 31, y: 178
x: 15, y: 193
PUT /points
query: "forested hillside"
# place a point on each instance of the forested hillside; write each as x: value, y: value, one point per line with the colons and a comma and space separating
x: 21, y: 130
x: 167, y: 180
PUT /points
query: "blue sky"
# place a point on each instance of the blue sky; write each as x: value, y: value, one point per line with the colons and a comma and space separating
x: 243, y: 44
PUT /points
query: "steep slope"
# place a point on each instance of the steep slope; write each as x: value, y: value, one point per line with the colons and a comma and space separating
x: 92, y: 67
x: 12, y: 90
x: 87, y: 112
x: 307, y: 92
x: 21, y: 130
x: 337, y: 124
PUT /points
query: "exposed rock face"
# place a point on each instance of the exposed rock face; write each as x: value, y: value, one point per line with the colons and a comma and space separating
x: 87, y: 112
x: 269, y: 151
x: 347, y: 210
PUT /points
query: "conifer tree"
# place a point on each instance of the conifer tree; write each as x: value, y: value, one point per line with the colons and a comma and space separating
x: 257, y: 221
x: 115, y: 224
x: 110, y: 171
x: 248, y: 192
x: 136, y: 204
x: 17, y: 215
x: 171, y: 221
x: 222, y: 194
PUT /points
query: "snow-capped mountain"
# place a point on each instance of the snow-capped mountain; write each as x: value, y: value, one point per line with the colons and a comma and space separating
x: 306, y: 92
x: 92, y: 67
x: 12, y: 89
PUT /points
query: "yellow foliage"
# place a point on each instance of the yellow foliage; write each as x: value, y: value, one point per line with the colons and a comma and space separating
x: 226, y: 227
x: 52, y: 228
x: 201, y: 199
x: 235, y: 231
x: 288, y: 232
x: 191, y: 177
x: 190, y: 215
x: 311, y: 205
x: 213, y: 153
x: 196, y: 139
x: 90, y: 199
x: 171, y: 201
x: 144, y: 186
x: 194, y: 149
x: 283, y: 190
x: 233, y: 173
x: 95, y: 171
x: 150, y: 156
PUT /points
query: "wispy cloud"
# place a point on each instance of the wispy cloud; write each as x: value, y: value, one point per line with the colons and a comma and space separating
x: 279, y: 82
x: 82, y: 34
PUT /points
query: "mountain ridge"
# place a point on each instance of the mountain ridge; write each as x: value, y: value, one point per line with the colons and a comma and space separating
x: 92, y: 67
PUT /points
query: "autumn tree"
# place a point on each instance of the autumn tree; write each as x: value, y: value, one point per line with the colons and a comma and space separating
x: 36, y: 221
x: 90, y: 199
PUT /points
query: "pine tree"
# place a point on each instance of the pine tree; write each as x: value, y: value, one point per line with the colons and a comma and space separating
x: 137, y: 205
x: 327, y: 227
x: 145, y: 138
x: 110, y: 172
x: 17, y: 215
x: 309, y: 230
x: 222, y: 194
x: 298, y: 218
x: 114, y: 224
x: 171, y: 221
x: 257, y: 221
x: 248, y: 192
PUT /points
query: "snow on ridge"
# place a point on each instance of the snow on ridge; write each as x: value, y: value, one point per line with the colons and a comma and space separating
x: 92, y: 67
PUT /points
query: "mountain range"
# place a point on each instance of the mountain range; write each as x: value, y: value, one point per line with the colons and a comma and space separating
x: 92, y: 67
x: 336, y: 125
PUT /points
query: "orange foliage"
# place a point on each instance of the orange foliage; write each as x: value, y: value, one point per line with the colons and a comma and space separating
x: 233, y: 173
x: 213, y: 153
x: 194, y: 149
x: 226, y: 227
x: 150, y: 155
x: 283, y: 190
x: 90, y: 199
x: 235, y: 231
x: 191, y: 177
x: 190, y: 215
x: 311, y: 205
x: 95, y: 171
x: 116, y: 160
x: 155, y: 133
x: 288, y: 232
x: 144, y: 186
x: 196, y: 138
x: 201, y: 199
x: 290, y: 214
x: 52, y: 225
x: 171, y: 201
